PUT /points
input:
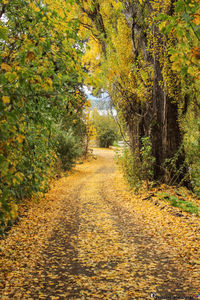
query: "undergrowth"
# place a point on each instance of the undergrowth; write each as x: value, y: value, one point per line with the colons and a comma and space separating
x: 137, y: 167
x: 184, y: 205
x: 130, y: 165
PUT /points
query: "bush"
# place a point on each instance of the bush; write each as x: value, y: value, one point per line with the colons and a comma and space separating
x: 137, y: 167
x: 68, y: 148
x: 106, y: 128
x: 147, y: 159
x: 106, y: 137
x: 130, y: 164
x: 192, y: 151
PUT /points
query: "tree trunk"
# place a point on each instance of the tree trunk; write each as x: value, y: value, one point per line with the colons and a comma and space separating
x: 165, y: 135
x: 160, y: 115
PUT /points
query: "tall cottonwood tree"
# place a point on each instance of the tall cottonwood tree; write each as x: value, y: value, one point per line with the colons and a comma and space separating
x: 159, y: 115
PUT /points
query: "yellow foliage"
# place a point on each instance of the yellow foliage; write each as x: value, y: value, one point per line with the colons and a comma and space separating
x: 30, y: 56
x: 6, y: 67
x: 162, y: 25
x: 20, y: 138
x: 34, y: 7
x: 196, y: 19
x: 13, y: 211
x: 6, y: 99
x: 92, y: 56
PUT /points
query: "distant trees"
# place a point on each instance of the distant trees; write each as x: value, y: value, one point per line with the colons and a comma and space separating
x: 106, y: 128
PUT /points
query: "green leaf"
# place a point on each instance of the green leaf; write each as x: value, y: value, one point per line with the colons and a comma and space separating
x: 3, y: 33
x: 186, y: 17
x: 184, y: 70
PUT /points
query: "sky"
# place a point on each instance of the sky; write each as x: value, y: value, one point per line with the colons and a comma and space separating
x: 101, y: 103
x: 88, y: 91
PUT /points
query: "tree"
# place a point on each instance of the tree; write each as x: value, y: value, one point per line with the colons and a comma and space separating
x: 106, y: 128
x: 184, y: 52
x: 40, y: 80
x: 128, y: 56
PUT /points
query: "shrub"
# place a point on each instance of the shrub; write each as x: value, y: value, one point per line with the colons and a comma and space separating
x: 137, y: 167
x: 147, y: 160
x: 192, y: 149
x: 130, y: 164
x: 106, y: 128
x: 106, y: 137
x: 68, y: 148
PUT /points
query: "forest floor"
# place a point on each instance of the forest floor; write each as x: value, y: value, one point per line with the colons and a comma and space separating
x: 92, y: 238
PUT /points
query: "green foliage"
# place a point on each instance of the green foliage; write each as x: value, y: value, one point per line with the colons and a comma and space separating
x: 68, y: 148
x: 183, y: 32
x: 174, y: 171
x: 39, y: 87
x: 185, y: 26
x: 107, y: 129
x: 148, y: 160
x: 183, y: 204
x: 106, y: 137
x: 135, y: 167
x: 192, y: 147
x: 115, y: 144
x: 131, y: 167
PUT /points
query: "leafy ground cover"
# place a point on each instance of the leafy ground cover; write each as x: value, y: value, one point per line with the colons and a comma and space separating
x: 184, y: 205
x: 92, y: 238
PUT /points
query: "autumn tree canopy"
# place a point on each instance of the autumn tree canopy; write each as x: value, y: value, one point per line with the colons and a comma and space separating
x: 146, y: 55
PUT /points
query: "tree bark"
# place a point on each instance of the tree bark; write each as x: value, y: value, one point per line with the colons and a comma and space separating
x: 165, y: 135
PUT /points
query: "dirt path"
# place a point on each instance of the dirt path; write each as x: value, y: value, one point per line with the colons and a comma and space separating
x: 96, y: 246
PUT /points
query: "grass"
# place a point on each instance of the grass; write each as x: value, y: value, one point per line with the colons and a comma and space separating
x: 115, y: 144
x: 182, y: 204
